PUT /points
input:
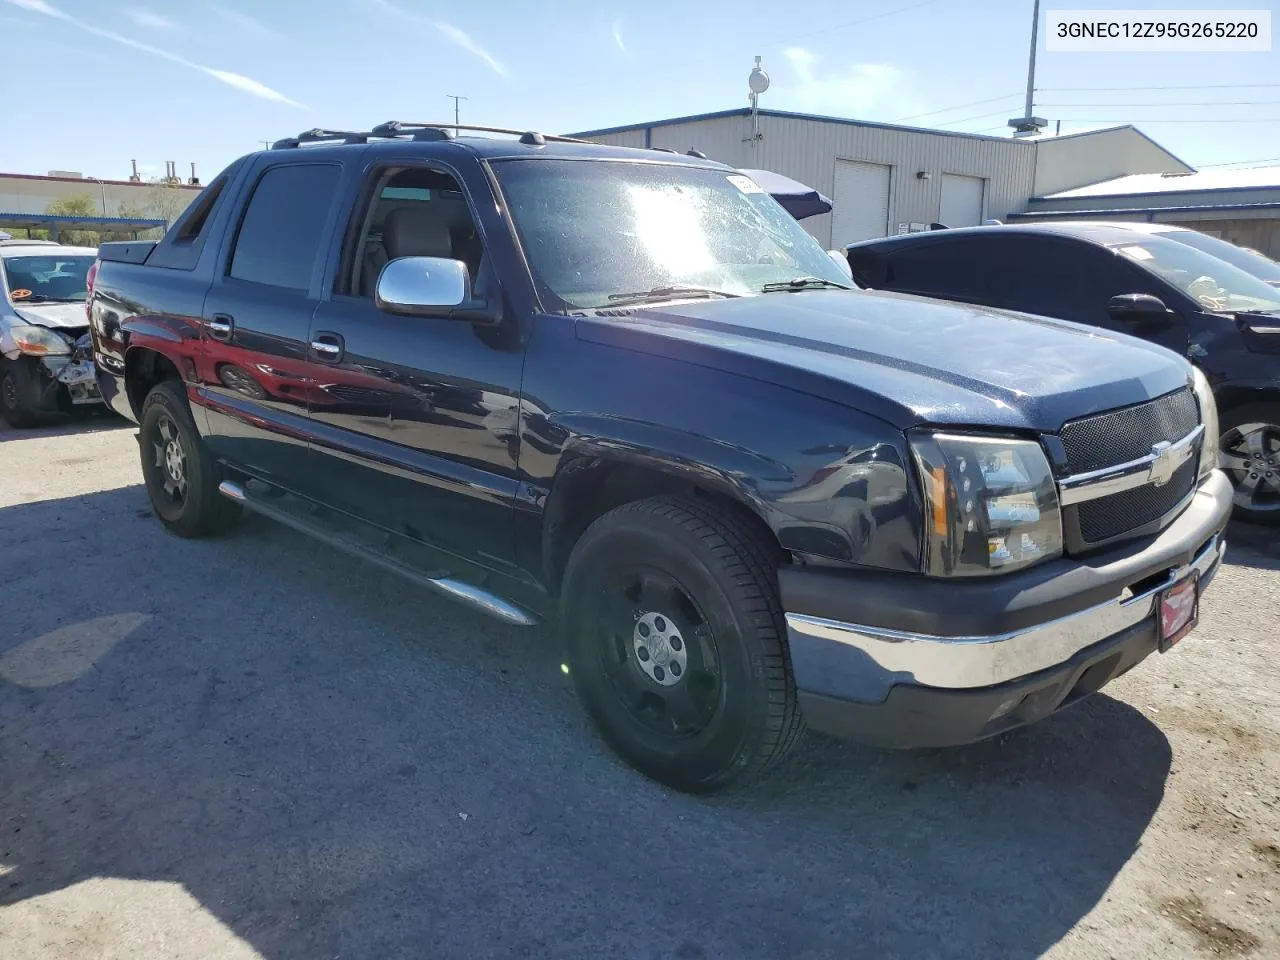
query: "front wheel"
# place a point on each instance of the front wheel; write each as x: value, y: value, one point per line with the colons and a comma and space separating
x: 1250, y: 453
x: 181, y: 475
x: 17, y: 391
x: 675, y: 641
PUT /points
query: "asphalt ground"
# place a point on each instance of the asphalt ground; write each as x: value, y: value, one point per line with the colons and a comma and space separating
x: 255, y: 747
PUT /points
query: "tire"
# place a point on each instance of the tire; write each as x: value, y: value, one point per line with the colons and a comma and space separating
x: 653, y: 573
x: 1250, y: 453
x: 16, y: 392
x: 182, y: 483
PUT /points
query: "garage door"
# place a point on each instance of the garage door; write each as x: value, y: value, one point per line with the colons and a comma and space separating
x: 961, y: 200
x: 860, y: 207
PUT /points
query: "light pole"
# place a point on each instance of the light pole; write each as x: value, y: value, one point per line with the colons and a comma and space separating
x: 102, y: 187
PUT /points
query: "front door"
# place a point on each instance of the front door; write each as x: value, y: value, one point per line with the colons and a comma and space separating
x: 252, y: 363
x: 415, y: 419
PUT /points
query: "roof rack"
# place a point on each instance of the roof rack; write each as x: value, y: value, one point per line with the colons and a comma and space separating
x: 399, y: 130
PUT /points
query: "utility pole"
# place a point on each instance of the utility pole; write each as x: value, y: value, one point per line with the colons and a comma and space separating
x: 266, y: 144
x: 1031, y: 60
x: 456, y: 101
x: 1029, y: 125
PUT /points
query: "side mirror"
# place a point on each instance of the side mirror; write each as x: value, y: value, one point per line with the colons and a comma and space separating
x: 1142, y: 308
x: 430, y: 287
x: 842, y: 261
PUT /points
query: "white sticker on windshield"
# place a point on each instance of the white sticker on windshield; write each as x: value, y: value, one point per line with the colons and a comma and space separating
x: 745, y: 184
x: 1137, y: 253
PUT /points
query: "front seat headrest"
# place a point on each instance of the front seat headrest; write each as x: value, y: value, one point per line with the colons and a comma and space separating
x: 414, y: 232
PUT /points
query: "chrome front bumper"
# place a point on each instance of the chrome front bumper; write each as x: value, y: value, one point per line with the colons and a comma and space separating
x: 982, y: 661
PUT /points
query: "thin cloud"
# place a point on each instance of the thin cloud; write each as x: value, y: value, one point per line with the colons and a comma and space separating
x: 40, y: 6
x: 864, y: 88
x: 617, y: 35
x: 455, y: 35
x: 460, y: 38
x: 242, y: 20
x: 148, y: 20
x: 235, y: 80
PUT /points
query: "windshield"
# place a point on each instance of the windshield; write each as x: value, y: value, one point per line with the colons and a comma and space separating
x: 1212, y: 283
x: 45, y: 279
x: 1261, y: 267
x: 593, y: 230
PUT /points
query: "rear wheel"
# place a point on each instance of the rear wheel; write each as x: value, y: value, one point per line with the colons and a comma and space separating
x: 674, y: 634
x: 181, y: 475
x: 17, y: 391
x: 1250, y: 453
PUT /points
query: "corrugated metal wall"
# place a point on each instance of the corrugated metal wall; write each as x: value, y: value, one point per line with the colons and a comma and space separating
x: 807, y: 150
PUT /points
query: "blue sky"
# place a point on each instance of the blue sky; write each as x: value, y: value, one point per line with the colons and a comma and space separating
x: 98, y: 82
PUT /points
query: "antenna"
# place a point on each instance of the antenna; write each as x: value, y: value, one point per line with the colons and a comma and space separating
x: 758, y: 82
x: 456, y: 102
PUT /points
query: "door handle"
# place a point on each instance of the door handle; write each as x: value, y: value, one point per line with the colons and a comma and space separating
x: 327, y: 347
x: 220, y: 327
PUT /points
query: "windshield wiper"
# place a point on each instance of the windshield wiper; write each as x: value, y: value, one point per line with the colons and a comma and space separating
x: 801, y: 283
x: 666, y: 293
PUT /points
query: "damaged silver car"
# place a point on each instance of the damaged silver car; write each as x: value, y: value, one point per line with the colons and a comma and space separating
x: 46, y: 356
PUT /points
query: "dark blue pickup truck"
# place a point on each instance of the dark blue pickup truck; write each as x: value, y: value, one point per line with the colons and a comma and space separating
x: 625, y: 390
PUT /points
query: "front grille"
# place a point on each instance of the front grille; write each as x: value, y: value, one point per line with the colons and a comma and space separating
x: 1122, y: 436
x: 1119, y: 513
x: 1118, y: 436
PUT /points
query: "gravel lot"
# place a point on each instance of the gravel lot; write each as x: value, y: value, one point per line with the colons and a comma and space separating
x: 254, y: 747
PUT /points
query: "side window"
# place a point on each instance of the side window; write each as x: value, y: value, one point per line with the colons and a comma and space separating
x: 283, y: 226
x: 940, y: 268
x: 414, y: 212
x: 191, y: 223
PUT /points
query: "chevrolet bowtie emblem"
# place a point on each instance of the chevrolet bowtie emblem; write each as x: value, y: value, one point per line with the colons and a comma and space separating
x: 1168, y: 459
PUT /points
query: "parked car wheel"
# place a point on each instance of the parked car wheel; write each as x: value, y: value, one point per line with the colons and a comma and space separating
x: 16, y: 392
x: 181, y: 475
x: 675, y: 641
x: 1250, y: 453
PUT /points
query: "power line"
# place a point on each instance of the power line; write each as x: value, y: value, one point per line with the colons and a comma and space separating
x: 1194, y: 86
x: 854, y: 23
x: 1220, y: 103
x: 1241, y: 163
x: 1175, y: 120
x: 982, y: 116
x: 958, y: 106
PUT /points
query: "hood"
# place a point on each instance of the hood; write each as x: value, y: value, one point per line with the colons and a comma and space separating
x: 60, y: 316
x: 907, y: 360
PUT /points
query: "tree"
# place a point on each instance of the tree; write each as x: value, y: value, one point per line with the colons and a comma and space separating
x: 79, y: 205
x: 166, y: 201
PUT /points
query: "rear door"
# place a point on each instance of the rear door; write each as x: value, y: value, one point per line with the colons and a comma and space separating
x: 254, y: 366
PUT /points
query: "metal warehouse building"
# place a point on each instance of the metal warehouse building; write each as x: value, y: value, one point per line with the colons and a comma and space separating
x: 884, y: 179
x: 1242, y: 206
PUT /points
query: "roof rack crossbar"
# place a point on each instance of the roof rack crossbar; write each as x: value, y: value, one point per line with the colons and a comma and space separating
x: 396, y: 129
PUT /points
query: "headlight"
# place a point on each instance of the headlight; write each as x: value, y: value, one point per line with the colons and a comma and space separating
x: 40, y: 341
x: 1210, y: 443
x: 991, y: 504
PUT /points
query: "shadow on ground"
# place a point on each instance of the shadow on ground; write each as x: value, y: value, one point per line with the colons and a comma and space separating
x: 93, y: 420
x: 296, y: 740
x: 1254, y: 545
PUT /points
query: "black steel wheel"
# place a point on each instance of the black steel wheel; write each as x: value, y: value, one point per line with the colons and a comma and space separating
x: 180, y: 473
x: 1250, y: 453
x: 675, y: 641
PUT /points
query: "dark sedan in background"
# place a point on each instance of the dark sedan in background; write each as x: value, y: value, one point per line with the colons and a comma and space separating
x: 1127, y: 278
